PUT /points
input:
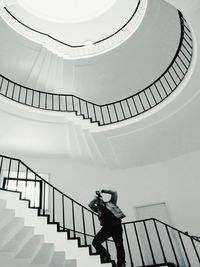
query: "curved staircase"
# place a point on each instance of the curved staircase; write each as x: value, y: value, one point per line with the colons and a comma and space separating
x: 43, y: 227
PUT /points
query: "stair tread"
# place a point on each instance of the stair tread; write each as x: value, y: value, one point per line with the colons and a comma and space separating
x: 7, y: 232
x: 44, y: 255
x: 58, y: 259
x: 6, y: 216
x: 31, y: 248
x: 2, y: 204
x: 19, y: 240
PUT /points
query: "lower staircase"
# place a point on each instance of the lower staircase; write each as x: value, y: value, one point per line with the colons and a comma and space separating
x: 28, y: 240
x: 40, y: 226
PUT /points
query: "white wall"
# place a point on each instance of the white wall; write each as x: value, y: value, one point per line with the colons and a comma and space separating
x: 176, y: 181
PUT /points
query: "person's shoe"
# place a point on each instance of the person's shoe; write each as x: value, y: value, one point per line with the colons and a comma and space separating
x: 121, y: 265
x: 105, y: 259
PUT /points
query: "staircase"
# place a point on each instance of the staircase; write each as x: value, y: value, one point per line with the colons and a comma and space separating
x: 42, y: 226
x: 31, y: 240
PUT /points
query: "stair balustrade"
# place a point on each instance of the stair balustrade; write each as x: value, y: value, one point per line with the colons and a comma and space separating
x: 117, y: 111
x: 148, y: 242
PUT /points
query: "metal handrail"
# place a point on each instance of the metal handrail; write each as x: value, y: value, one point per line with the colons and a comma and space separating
x: 116, y: 111
x: 149, y: 241
x: 69, y: 45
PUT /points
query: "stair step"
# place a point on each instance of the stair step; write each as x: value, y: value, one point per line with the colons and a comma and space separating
x: 31, y: 248
x: 19, y: 240
x: 2, y: 204
x: 6, y: 215
x: 70, y: 263
x: 10, y: 230
x: 58, y: 259
x: 44, y: 255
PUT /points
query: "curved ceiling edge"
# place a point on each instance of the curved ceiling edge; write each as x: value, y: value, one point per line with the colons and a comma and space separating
x: 79, y: 50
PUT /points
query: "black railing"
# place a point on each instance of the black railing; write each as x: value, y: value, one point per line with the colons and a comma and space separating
x: 79, y: 45
x: 117, y: 111
x: 147, y: 242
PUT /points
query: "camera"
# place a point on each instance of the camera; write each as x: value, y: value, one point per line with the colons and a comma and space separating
x: 98, y: 194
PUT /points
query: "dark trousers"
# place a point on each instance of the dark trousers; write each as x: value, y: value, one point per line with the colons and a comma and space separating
x: 116, y: 232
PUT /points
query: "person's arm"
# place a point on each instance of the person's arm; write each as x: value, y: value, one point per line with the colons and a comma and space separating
x: 113, y: 194
x: 94, y: 204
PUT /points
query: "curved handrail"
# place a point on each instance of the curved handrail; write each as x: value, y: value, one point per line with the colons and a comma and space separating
x: 162, y: 242
x: 69, y: 45
x: 116, y: 111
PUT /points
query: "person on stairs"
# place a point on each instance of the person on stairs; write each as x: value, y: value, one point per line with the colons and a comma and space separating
x: 110, y: 216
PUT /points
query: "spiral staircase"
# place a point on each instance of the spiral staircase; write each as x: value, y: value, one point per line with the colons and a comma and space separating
x: 81, y: 124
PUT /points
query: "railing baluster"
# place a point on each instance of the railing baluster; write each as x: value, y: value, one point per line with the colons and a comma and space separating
x: 45, y: 101
x: 185, y: 56
x: 18, y: 169
x: 52, y: 99
x: 12, y: 97
x: 129, y: 108
x: 33, y: 94
x: 102, y: 115
x: 93, y: 223
x: 63, y: 211
x: 73, y: 219
x: 1, y: 164
x: 116, y: 112
x: 66, y: 103
x: 73, y: 109
x: 158, y: 91
x: 7, y: 88
x: 87, y: 109
x: 109, y: 114
x: 122, y: 109
x: 95, y: 114
x: 43, y: 207
x: 26, y: 182
x: 195, y: 249
x: 80, y: 106
x: 9, y: 168
x: 168, y: 83
x: 128, y: 245
x: 53, y: 205
x: 84, y: 229
x: 141, y: 102
x: 147, y: 99
x: 135, y: 105
x: 179, y: 68
x: 172, y: 246
x: 160, y: 242
x: 25, y: 101
x: 59, y: 96
x: 138, y: 241
x: 172, y: 78
x: 20, y: 89
x: 1, y: 83
x: 163, y: 87
x: 182, y: 61
x: 149, y: 242
x: 39, y: 100
x: 34, y: 198
x: 186, y: 255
